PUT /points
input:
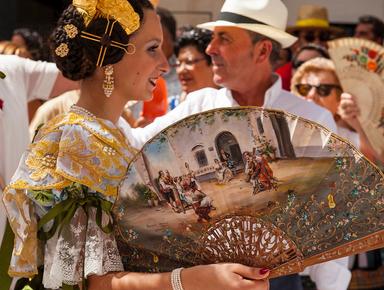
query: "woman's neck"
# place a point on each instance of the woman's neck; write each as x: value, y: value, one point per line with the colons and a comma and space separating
x: 93, y: 99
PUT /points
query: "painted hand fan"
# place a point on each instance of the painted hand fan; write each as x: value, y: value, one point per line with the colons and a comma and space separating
x: 258, y: 187
x: 360, y: 68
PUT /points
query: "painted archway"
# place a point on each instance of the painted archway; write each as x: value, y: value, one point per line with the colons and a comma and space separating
x: 225, y: 141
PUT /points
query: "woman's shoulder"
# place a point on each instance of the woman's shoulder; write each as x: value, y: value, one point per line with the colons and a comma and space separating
x: 74, y: 148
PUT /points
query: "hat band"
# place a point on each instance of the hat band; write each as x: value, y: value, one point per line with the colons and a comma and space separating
x: 312, y: 22
x: 237, y: 18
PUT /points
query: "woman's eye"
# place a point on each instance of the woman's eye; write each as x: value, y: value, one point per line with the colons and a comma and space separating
x: 153, y: 48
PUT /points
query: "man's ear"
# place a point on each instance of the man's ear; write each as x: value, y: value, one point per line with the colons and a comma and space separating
x: 262, y: 51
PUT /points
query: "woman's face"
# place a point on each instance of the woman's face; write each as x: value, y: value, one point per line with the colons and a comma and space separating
x: 193, y: 70
x: 136, y: 74
x: 330, y: 101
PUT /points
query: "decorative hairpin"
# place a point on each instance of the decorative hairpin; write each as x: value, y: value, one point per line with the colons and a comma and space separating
x: 62, y: 50
x: 105, y: 42
x: 71, y: 30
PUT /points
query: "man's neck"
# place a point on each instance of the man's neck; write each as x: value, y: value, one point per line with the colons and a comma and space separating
x: 253, y: 95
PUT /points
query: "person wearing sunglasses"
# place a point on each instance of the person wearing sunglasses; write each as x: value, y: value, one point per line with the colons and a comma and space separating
x: 316, y: 80
x: 304, y: 53
x: 312, y: 26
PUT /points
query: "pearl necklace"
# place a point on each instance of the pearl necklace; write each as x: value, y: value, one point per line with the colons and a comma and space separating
x: 81, y: 111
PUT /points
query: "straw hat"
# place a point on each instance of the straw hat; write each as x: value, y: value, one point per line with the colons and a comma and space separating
x: 313, y: 16
x: 266, y: 17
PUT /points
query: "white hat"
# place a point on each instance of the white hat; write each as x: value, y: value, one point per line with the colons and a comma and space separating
x: 266, y: 17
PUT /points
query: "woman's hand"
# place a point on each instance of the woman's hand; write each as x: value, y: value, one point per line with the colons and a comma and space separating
x: 225, y: 276
x: 349, y: 111
x: 207, y: 277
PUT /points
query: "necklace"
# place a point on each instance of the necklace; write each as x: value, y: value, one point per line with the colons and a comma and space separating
x: 81, y: 111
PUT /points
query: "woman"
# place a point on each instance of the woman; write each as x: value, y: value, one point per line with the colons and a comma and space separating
x: 316, y: 80
x: 68, y: 180
x: 223, y: 173
x: 193, y: 66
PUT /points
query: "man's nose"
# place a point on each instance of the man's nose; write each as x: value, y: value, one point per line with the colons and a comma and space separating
x: 212, y: 47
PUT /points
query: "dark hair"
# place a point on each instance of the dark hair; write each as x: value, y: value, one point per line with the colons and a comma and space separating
x: 276, y: 46
x: 309, y: 46
x: 33, y: 41
x: 168, y: 21
x: 378, y: 25
x: 80, y: 62
x: 197, y: 37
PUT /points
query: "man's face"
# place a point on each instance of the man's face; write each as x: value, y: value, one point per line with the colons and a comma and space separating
x: 231, y: 50
x: 365, y: 31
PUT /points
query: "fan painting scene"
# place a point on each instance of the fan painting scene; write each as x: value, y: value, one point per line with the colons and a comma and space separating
x: 259, y: 187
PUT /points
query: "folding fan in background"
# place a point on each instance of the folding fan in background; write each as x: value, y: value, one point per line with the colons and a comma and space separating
x: 258, y: 187
x: 360, y: 68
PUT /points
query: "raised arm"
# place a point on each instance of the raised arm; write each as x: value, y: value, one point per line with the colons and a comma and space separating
x: 349, y: 112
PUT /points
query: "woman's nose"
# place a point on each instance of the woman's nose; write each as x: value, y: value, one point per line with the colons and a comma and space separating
x: 312, y: 94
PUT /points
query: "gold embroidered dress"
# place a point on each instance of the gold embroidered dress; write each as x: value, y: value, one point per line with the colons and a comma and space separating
x: 60, y: 198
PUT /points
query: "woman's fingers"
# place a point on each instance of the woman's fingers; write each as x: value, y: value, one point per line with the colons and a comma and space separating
x: 250, y: 272
x: 255, y: 285
x: 348, y: 105
x: 225, y: 276
x: 348, y: 110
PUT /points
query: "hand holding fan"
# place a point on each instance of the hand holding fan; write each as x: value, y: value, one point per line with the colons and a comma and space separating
x: 258, y: 187
x: 360, y: 68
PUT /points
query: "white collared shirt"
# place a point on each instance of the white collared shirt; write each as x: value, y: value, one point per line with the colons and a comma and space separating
x: 209, y: 98
x: 25, y: 81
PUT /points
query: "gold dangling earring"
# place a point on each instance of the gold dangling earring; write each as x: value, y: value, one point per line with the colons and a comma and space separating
x: 109, y: 82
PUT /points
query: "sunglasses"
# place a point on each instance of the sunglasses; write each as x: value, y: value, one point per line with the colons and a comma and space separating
x: 323, y: 90
x: 312, y: 35
x: 297, y: 63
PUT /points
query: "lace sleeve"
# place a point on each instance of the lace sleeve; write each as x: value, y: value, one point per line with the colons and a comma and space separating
x: 79, y: 245
x: 81, y: 249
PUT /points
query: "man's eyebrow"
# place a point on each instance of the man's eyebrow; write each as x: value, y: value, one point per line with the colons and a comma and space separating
x: 222, y: 33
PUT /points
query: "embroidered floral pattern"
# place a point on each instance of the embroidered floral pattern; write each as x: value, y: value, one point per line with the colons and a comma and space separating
x: 366, y: 58
x: 71, y: 157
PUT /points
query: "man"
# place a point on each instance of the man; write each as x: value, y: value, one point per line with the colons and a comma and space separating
x: 371, y: 28
x: 246, y: 42
x: 25, y: 80
x: 312, y: 26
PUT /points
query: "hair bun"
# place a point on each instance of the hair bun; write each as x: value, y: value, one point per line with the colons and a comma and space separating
x: 75, y: 64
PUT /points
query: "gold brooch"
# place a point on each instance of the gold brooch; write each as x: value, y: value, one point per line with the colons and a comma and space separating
x: 62, y: 50
x: 71, y: 30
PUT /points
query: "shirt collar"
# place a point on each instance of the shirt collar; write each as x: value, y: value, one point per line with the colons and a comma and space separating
x: 270, y: 96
